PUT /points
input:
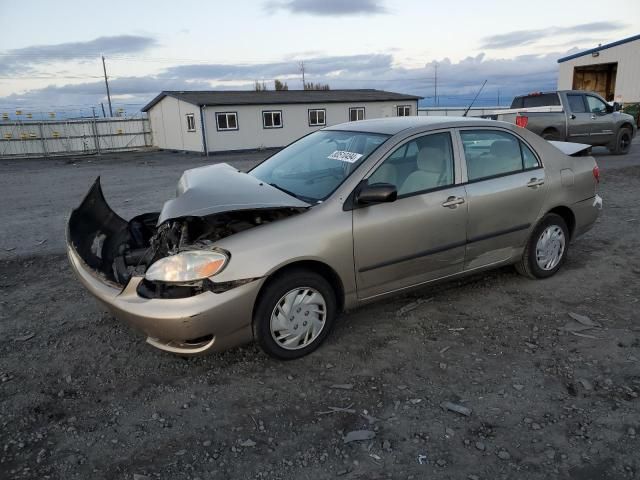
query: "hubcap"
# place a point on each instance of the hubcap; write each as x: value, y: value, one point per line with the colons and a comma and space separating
x: 298, y: 318
x: 550, y: 247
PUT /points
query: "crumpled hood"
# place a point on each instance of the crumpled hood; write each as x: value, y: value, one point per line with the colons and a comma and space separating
x: 221, y: 188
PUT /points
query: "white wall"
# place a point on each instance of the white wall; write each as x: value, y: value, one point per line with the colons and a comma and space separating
x: 169, y: 125
x: 627, y: 55
x: 251, y: 134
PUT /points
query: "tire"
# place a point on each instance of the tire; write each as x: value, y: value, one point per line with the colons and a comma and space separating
x: 529, y: 265
x: 622, y: 143
x: 304, y: 321
x: 551, y: 134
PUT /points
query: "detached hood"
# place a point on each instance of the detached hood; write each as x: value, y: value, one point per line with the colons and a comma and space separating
x: 221, y: 188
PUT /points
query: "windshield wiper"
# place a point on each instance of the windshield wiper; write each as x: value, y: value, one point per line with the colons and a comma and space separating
x: 289, y: 192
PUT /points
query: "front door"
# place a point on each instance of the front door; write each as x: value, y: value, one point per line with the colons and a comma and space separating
x: 421, y: 235
x: 602, y: 121
x: 505, y: 192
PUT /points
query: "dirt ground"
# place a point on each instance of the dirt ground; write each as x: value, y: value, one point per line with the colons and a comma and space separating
x: 82, y: 396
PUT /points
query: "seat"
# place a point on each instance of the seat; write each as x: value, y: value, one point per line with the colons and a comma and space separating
x: 386, y: 173
x: 432, y: 172
x: 504, y: 156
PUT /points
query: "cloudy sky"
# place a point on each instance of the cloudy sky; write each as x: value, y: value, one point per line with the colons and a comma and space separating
x: 50, y: 51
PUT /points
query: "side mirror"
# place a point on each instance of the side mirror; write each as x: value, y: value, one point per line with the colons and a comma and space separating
x: 377, y: 193
x: 616, y: 107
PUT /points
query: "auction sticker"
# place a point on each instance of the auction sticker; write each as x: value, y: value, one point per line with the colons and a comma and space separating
x: 343, y: 156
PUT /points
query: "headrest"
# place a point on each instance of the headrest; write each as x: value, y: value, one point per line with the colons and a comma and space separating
x: 504, y: 148
x: 431, y: 159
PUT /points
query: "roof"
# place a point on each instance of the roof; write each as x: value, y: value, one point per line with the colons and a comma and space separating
x: 601, y: 47
x: 393, y: 125
x: 271, y: 97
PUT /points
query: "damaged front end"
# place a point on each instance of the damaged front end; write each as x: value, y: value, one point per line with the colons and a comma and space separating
x: 115, y: 250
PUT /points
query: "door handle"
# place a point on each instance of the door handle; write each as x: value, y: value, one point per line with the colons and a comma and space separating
x: 535, y: 183
x: 453, y: 202
x: 572, y: 117
x: 593, y: 117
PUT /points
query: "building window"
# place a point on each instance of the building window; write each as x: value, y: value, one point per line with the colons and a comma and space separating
x: 317, y: 117
x: 403, y: 110
x: 227, y: 121
x: 191, y: 122
x: 272, y: 119
x: 356, y: 113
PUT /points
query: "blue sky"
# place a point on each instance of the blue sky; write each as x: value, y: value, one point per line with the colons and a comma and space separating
x: 50, y: 51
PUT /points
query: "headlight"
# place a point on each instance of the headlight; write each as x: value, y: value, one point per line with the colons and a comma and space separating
x: 186, y: 267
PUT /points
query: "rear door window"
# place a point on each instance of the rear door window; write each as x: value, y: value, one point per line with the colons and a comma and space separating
x: 576, y: 103
x: 494, y: 153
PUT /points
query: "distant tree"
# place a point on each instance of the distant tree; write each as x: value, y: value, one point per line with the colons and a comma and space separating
x: 260, y: 86
x: 280, y: 85
x: 316, y: 86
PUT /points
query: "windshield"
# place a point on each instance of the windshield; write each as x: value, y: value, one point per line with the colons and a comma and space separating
x: 314, y: 166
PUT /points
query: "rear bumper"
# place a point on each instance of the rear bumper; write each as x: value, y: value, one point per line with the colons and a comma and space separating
x: 187, y: 326
x: 586, y: 213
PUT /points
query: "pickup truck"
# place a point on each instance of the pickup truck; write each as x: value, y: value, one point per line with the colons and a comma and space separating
x: 573, y: 116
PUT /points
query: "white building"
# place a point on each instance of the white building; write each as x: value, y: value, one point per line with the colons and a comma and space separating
x: 612, y: 70
x: 215, y: 121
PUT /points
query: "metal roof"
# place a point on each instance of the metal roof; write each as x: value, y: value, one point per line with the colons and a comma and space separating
x: 601, y: 47
x: 272, y: 97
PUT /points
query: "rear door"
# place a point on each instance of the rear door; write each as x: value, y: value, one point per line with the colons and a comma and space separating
x: 505, y: 192
x: 601, y: 120
x: 578, y: 119
x: 421, y: 235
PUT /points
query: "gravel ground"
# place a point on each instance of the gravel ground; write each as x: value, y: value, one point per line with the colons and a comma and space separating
x: 82, y: 396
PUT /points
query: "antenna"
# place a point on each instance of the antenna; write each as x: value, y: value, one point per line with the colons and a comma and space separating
x: 474, y: 100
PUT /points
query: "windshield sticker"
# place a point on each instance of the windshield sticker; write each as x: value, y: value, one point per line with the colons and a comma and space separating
x: 343, y: 156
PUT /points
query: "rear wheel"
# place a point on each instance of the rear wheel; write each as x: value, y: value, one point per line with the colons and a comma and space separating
x: 622, y: 143
x: 546, y: 249
x: 294, y: 314
x: 551, y: 134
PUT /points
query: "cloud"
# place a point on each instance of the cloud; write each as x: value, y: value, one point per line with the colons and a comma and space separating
x: 23, y: 60
x: 526, y: 37
x: 314, y: 66
x: 457, y: 81
x: 328, y: 8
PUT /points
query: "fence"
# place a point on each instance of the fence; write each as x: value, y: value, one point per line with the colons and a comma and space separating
x: 459, y: 111
x: 73, y: 137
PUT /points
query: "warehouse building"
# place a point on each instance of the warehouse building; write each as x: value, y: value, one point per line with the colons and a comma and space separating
x: 217, y: 121
x: 612, y: 70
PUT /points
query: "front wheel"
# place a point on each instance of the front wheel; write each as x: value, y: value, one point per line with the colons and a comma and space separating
x: 546, y: 249
x: 294, y: 314
x: 622, y: 143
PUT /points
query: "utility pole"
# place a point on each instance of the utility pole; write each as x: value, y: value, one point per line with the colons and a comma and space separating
x: 106, y: 82
x: 435, y: 85
x: 104, y: 115
x: 304, y: 84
